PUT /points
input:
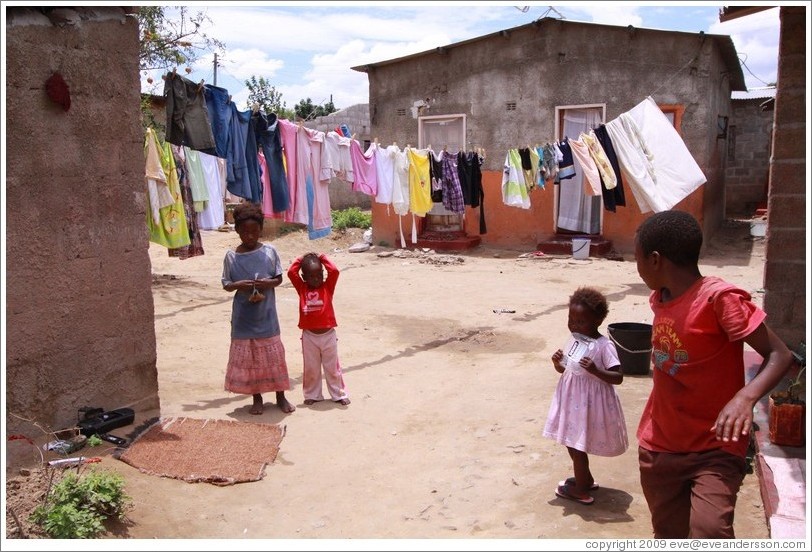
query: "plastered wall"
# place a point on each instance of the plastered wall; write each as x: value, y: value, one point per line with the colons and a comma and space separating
x: 79, y: 315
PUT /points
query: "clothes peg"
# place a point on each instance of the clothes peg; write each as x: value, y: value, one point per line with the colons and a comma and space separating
x: 353, y: 136
x: 255, y: 107
x: 174, y: 72
x: 229, y: 98
x: 375, y: 140
x: 395, y: 144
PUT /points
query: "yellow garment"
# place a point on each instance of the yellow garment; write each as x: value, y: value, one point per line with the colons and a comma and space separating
x: 420, y: 201
x: 601, y: 161
x: 170, y: 227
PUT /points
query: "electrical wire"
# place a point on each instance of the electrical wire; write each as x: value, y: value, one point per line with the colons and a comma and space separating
x: 741, y: 60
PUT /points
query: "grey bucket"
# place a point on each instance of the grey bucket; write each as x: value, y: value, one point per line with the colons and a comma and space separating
x: 633, y: 342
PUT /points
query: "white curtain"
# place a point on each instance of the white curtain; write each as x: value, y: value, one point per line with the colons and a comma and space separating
x: 577, y: 211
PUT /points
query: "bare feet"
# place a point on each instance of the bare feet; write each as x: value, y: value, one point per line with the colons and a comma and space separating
x: 283, y: 403
x: 345, y: 402
x: 308, y: 402
x: 257, y: 406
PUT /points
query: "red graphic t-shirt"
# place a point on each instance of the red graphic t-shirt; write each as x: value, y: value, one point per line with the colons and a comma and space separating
x: 697, y: 348
x: 315, y: 304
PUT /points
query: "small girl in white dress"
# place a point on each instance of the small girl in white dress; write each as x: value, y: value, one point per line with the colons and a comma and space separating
x: 585, y: 413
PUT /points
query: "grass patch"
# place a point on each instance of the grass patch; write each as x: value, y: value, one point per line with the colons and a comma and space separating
x: 352, y: 217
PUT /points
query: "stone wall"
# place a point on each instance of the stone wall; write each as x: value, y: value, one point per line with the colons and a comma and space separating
x: 79, y: 317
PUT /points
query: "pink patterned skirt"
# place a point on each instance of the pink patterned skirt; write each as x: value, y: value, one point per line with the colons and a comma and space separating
x: 257, y: 366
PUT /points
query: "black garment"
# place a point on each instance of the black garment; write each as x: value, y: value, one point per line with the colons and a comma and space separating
x: 436, y: 176
x: 615, y: 196
x: 464, y: 173
x: 187, y: 117
x: 477, y: 193
x: 524, y: 155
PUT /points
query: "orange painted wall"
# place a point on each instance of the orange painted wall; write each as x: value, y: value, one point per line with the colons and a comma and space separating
x: 516, y: 228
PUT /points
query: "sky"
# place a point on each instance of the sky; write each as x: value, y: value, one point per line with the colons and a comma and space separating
x: 306, y: 50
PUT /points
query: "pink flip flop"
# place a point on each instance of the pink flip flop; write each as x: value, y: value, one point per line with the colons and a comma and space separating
x: 563, y: 492
x: 570, y: 482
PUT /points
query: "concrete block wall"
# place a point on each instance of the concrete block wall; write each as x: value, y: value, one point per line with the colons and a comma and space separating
x: 356, y: 117
x: 748, y: 156
x: 79, y: 318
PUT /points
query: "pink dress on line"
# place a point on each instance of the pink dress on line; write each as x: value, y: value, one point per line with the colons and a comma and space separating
x: 585, y: 412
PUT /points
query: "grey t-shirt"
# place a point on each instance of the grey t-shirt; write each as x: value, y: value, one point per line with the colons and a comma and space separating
x: 253, y: 320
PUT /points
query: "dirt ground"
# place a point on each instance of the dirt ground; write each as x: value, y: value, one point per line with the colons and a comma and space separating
x: 449, y: 397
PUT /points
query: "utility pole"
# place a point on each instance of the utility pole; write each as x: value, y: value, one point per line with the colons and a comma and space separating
x: 215, y: 68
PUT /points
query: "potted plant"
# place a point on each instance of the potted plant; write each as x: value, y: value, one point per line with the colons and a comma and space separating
x: 788, y: 407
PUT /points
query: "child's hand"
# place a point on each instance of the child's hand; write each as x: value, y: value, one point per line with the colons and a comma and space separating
x: 735, y: 420
x: 244, y: 285
x: 558, y: 356
x: 588, y: 365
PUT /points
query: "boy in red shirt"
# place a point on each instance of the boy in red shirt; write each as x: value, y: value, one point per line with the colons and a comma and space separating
x: 317, y: 321
x: 694, y: 430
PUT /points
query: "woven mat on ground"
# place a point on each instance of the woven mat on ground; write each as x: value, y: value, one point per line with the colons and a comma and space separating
x: 221, y: 452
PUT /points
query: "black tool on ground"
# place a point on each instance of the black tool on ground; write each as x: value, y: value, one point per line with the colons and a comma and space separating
x: 102, y: 422
x: 89, y: 411
x: 115, y: 439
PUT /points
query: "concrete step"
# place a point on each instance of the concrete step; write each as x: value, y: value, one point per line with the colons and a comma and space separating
x: 781, y: 471
x: 561, y: 244
x: 445, y: 241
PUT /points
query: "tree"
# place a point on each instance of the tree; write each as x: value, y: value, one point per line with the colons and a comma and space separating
x: 306, y: 110
x: 167, y: 43
x: 266, y: 98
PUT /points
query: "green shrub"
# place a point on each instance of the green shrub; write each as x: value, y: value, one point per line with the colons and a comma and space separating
x: 77, y: 506
x: 352, y: 217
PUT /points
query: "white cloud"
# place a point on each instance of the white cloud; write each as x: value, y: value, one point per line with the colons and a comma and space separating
x: 308, y: 50
x: 608, y: 14
x: 756, y: 39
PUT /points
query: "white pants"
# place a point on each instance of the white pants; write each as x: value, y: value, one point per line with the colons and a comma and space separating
x: 321, y: 351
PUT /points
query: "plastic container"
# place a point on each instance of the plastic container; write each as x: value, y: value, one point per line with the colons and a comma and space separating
x: 580, y: 248
x: 633, y: 343
x: 758, y: 228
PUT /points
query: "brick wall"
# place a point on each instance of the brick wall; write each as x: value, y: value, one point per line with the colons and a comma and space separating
x: 785, y: 272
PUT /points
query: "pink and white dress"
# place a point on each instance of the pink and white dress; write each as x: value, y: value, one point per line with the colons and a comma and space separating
x: 585, y: 412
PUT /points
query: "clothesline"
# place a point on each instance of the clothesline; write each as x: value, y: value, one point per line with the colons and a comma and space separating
x: 640, y: 147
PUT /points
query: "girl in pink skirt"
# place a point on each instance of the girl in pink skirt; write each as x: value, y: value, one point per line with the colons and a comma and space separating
x: 585, y: 414
x: 256, y: 359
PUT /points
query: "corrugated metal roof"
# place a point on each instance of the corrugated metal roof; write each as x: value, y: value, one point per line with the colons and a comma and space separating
x: 754, y: 93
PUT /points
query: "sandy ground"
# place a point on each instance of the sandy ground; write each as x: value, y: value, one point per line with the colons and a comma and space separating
x: 443, y: 436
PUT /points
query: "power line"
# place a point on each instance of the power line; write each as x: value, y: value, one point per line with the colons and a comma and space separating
x: 741, y: 60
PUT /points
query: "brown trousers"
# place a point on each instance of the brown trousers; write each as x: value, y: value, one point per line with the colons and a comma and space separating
x: 691, y: 495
